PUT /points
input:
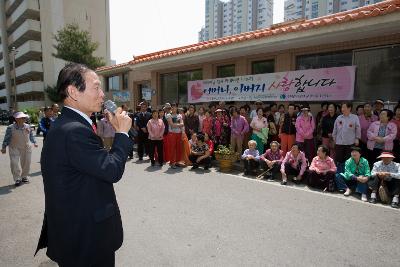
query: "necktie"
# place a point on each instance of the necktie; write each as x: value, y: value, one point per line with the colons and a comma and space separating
x: 94, y: 128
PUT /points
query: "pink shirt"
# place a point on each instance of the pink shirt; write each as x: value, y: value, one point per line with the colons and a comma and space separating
x: 207, y: 125
x: 365, y: 123
x: 397, y: 122
x: 155, y: 129
x: 323, y: 165
x: 295, y: 161
x: 390, y: 135
x: 304, y: 128
x: 258, y: 123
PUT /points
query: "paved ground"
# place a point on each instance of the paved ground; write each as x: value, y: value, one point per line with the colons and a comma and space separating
x: 185, y: 218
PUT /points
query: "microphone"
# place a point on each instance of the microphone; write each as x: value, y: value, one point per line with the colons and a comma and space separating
x: 110, y: 106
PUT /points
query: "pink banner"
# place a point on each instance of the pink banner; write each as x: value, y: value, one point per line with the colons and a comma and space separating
x: 302, y: 85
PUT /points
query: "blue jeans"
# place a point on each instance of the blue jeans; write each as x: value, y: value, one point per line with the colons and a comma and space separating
x: 343, y: 184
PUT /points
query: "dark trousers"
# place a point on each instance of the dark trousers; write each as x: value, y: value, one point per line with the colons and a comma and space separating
x: 321, y: 181
x: 156, y: 144
x: 372, y: 156
x: 396, y: 150
x: 105, y: 261
x: 308, y: 146
x: 289, y: 170
x: 206, y: 162
x: 143, y: 144
x: 342, y: 152
x: 273, y: 172
x: 250, y: 165
x: 393, y: 185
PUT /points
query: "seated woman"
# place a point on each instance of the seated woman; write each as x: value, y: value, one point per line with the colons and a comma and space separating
x: 250, y: 158
x: 200, y: 154
x: 322, y: 170
x: 381, y: 135
x: 271, y: 160
x: 387, y: 172
x: 356, y: 174
x: 294, y: 163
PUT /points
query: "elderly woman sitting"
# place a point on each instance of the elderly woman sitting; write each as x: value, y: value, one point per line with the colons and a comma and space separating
x: 295, y: 163
x: 387, y: 172
x: 356, y: 175
x: 271, y: 161
x: 322, y: 170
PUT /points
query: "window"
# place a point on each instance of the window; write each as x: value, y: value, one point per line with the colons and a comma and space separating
x: 264, y: 66
x: 377, y: 73
x: 174, y: 85
x: 113, y: 83
x: 125, y: 81
x: 226, y: 71
x: 318, y: 61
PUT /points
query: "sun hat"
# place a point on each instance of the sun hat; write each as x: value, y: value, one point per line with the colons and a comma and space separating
x: 19, y: 115
x: 386, y: 155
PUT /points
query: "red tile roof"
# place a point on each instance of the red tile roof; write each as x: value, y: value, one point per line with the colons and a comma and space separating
x: 379, y: 9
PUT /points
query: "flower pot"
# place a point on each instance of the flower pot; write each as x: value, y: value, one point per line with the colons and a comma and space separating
x: 225, y: 165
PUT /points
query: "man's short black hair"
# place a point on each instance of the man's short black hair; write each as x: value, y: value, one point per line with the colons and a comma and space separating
x: 200, y: 137
x: 348, y: 104
x: 71, y: 74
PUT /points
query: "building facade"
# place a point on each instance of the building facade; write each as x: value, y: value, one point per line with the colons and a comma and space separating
x: 225, y: 18
x: 367, y: 38
x: 310, y: 9
x: 29, y: 26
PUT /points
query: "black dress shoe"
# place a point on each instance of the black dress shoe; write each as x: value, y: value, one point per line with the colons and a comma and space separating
x: 18, y: 182
x: 372, y: 200
x: 395, y: 205
x: 284, y: 183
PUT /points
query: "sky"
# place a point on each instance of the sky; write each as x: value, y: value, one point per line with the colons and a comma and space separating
x: 143, y: 26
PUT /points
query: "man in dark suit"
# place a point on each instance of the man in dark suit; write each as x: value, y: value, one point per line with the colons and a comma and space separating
x: 82, y: 222
x: 143, y: 135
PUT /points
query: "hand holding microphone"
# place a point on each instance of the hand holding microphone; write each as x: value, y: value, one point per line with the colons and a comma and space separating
x: 121, y: 122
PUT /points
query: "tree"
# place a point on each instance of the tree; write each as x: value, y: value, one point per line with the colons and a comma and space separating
x: 52, y: 94
x: 75, y: 45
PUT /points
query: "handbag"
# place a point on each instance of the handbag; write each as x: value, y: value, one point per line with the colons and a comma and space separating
x: 384, y: 193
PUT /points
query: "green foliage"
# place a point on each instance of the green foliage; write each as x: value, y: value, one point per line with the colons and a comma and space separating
x: 223, y: 150
x: 75, y: 45
x: 33, y: 115
x: 52, y: 94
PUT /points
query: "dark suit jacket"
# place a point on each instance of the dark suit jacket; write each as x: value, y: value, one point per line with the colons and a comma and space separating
x: 82, y: 219
x: 142, y: 120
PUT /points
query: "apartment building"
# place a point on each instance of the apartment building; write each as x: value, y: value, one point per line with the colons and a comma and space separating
x: 27, y: 31
x: 225, y: 18
x: 310, y: 9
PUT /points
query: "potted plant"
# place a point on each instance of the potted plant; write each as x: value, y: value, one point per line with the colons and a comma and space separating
x: 225, y: 157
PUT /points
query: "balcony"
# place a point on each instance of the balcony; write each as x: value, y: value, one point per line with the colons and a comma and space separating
x: 29, y: 70
x: 29, y: 30
x: 29, y: 51
x: 12, y: 5
x: 28, y: 9
x: 32, y: 86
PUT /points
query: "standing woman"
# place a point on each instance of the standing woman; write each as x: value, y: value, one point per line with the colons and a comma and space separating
x: 259, y: 124
x: 155, y: 127
x: 327, y: 124
x: 202, y: 116
x: 207, y: 123
x: 219, y: 125
x: 381, y: 135
x: 305, y: 126
x: 175, y: 124
x: 365, y: 121
x: 287, y: 129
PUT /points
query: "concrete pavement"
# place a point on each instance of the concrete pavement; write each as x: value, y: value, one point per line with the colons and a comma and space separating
x: 186, y: 218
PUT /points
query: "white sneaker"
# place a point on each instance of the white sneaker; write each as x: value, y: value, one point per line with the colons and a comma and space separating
x: 348, y: 192
x: 364, y: 198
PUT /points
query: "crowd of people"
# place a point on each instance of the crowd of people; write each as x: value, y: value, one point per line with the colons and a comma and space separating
x: 334, y: 149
